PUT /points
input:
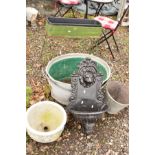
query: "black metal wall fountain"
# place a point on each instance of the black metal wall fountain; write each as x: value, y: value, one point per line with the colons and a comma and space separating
x: 87, y: 102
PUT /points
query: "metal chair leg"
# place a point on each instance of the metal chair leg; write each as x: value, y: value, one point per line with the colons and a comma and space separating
x: 106, y: 39
x: 110, y: 49
x: 73, y: 12
x: 115, y: 42
x: 61, y: 15
x: 99, y: 9
x: 103, y: 38
x: 58, y: 12
x: 66, y: 11
x: 98, y: 42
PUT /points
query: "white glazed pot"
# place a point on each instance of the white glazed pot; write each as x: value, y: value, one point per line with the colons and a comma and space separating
x: 117, y: 96
x: 61, y: 91
x: 45, y: 121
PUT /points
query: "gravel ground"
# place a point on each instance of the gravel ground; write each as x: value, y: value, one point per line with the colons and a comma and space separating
x: 111, y: 133
x: 110, y: 136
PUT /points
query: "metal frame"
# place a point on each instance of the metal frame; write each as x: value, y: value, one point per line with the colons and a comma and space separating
x: 100, y: 5
x: 61, y: 6
x: 98, y: 9
x: 110, y: 33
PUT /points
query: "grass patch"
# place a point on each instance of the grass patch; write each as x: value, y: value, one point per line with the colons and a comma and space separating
x: 47, y: 91
x: 28, y: 95
x: 27, y: 137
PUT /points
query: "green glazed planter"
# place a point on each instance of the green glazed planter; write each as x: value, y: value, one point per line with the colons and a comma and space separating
x: 60, y: 69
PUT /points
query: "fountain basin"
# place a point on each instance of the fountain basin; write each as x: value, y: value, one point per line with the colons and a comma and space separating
x: 88, y: 118
x: 45, y: 121
x: 117, y: 96
x: 60, y: 69
x: 87, y: 102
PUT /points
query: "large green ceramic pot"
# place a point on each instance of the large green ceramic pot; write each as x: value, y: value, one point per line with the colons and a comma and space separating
x: 60, y: 69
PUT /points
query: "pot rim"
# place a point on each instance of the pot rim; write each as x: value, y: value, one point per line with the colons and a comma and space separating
x: 111, y: 96
x: 61, y: 127
x: 70, y: 55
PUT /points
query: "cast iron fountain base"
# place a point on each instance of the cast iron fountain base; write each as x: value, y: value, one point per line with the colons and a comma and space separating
x: 87, y: 100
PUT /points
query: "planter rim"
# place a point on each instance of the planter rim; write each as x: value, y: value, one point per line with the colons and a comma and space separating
x: 84, y: 55
x: 61, y: 127
x: 112, y: 97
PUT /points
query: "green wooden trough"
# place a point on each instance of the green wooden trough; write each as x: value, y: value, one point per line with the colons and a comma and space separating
x: 73, y: 27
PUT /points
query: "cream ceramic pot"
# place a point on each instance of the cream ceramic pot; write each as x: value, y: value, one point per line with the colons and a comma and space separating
x: 45, y: 121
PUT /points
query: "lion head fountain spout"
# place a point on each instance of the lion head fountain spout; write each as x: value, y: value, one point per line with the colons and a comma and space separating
x: 87, y: 100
